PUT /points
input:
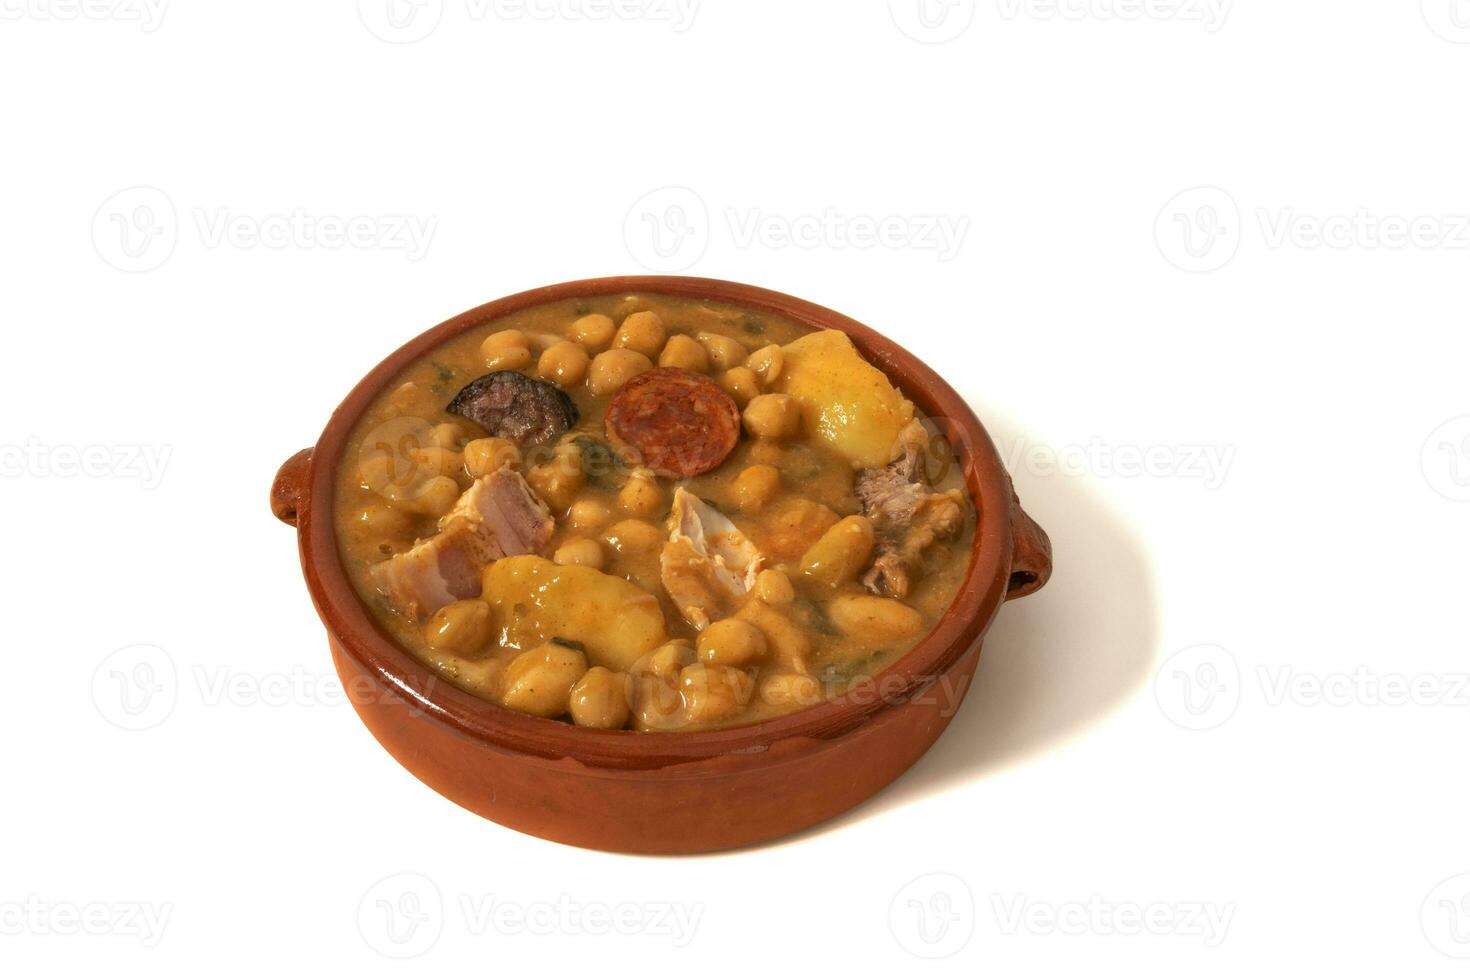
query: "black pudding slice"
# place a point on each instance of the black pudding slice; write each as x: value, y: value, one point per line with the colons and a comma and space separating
x: 512, y: 406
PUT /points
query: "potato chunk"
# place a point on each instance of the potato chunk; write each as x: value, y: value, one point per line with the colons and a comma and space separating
x: 845, y: 401
x: 537, y: 600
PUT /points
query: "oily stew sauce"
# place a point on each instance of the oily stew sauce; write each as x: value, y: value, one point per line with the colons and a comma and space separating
x: 651, y: 512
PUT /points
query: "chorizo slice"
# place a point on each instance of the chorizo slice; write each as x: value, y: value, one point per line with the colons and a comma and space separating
x: 679, y: 423
x: 512, y: 406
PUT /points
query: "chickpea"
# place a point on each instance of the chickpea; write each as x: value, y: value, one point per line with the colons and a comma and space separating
x: 733, y: 643
x: 642, y: 332
x: 772, y: 416
x: 767, y: 363
x: 446, y: 435
x: 642, y: 495
x: 773, y: 587
x: 539, y: 681
x: 556, y: 483
x: 657, y: 706
x: 589, y: 514
x: 460, y: 627
x: 508, y: 359
x: 633, y: 536
x: 411, y: 398
x: 684, y: 352
x: 712, y: 692
x: 612, y: 369
x: 594, y: 331
x: 580, y: 551
x: 501, y: 339
x: 383, y: 520
x: 669, y: 659
x: 755, y: 486
x: 790, y: 689
x: 742, y: 384
x: 435, y: 498
x: 724, y: 352
x: 874, y: 618
x: 600, y: 699
x: 484, y: 456
x: 840, y: 553
x: 564, y: 363
x: 437, y: 460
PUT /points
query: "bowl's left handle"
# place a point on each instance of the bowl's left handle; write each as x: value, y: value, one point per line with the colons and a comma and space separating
x: 288, y: 492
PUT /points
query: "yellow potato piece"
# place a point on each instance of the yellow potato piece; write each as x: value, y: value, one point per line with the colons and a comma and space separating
x: 537, y: 600
x: 845, y: 401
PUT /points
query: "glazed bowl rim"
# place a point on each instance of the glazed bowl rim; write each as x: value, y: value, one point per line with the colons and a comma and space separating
x: 359, y: 635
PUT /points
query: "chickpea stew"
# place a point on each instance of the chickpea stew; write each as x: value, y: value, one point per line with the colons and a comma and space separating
x: 651, y: 512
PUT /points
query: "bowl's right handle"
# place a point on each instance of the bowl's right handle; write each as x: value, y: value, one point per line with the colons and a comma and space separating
x: 1030, y: 553
x: 288, y: 492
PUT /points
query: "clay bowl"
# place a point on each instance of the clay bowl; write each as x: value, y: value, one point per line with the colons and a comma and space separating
x: 666, y: 793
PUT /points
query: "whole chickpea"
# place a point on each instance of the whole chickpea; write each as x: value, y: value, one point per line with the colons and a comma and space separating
x: 564, y: 363
x: 642, y: 495
x: 669, y: 659
x: 685, y: 352
x: 724, y: 352
x: 840, y: 553
x: 460, y: 627
x: 713, y: 693
x: 633, y: 536
x: 612, y: 369
x: 539, y: 681
x: 501, y: 339
x: 642, y: 332
x: 600, y: 699
x: 593, y: 331
x: 732, y: 643
x: 484, y: 456
x: 580, y: 551
x: 755, y: 487
x: 435, y: 498
x: 508, y: 359
x: 773, y: 587
x: 556, y: 483
x: 589, y: 514
x: 772, y: 417
x: 767, y: 363
x: 742, y: 384
x: 790, y: 688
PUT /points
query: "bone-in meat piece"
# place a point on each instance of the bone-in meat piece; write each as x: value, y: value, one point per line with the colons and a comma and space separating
x: 708, y: 565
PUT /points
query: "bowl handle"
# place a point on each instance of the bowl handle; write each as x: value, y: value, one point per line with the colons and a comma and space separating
x: 288, y: 492
x: 1030, y: 553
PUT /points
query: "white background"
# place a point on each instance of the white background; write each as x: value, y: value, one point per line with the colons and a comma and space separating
x: 1204, y: 714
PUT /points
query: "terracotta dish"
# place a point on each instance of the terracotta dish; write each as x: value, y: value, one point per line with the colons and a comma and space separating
x: 680, y: 792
